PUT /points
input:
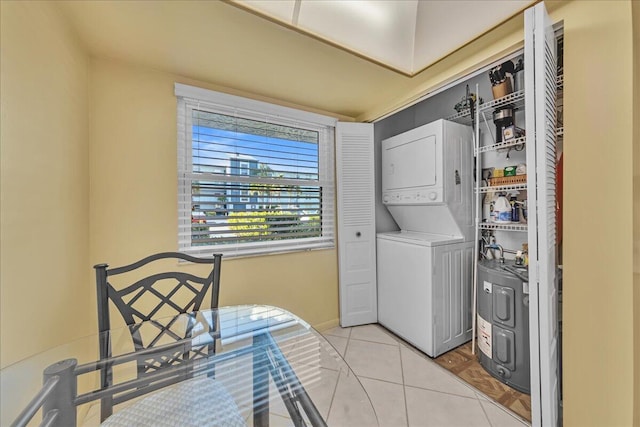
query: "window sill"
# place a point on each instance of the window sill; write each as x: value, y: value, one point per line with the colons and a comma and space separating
x: 238, y: 253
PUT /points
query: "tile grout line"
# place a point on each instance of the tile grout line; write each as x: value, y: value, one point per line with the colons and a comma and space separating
x: 385, y: 332
x: 507, y: 411
x: 378, y: 379
x: 360, y: 382
x: 375, y: 342
x: 449, y: 373
x: 334, y: 336
x: 485, y: 413
x: 476, y: 391
x: 502, y: 407
x: 360, y: 377
x: 404, y: 388
x: 399, y: 343
x: 442, y: 369
x: 442, y: 392
x: 333, y: 395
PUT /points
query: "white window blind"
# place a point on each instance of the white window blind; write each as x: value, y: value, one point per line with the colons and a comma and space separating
x: 253, y: 177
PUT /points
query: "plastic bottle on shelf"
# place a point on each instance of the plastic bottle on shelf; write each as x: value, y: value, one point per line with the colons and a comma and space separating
x: 515, y: 215
x: 502, y: 208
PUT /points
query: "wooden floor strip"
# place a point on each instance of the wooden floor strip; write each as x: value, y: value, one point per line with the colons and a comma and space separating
x: 466, y: 366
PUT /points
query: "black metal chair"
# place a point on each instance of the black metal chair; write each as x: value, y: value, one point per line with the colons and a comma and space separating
x: 146, y: 300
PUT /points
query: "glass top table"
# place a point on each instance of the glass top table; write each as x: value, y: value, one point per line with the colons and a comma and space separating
x: 233, y: 366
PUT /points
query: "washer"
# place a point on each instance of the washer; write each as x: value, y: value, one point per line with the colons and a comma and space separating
x: 424, y: 289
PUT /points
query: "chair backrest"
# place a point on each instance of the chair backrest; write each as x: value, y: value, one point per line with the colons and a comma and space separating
x: 147, y: 299
x: 127, y: 298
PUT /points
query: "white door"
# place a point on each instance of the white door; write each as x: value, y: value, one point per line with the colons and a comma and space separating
x: 540, y: 106
x: 356, y: 224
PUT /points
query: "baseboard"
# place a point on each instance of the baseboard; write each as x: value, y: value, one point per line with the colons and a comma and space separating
x: 321, y: 327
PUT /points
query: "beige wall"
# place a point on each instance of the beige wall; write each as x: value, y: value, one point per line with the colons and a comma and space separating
x: 133, y: 170
x: 44, y: 222
x: 598, y: 218
x: 636, y: 208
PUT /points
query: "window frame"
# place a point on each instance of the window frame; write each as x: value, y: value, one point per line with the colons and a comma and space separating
x: 190, y: 98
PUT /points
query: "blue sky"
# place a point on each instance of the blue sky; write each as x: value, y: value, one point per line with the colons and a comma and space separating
x: 282, y: 155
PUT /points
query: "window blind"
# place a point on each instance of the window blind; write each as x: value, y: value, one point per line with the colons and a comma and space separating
x: 252, y: 180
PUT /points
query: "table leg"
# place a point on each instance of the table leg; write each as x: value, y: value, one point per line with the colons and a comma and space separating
x: 62, y: 397
x: 289, y: 377
x: 260, y: 382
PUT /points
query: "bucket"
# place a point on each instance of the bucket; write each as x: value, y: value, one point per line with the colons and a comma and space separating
x: 502, y: 207
x: 502, y: 89
x: 518, y: 81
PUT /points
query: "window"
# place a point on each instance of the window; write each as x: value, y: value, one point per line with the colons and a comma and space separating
x: 253, y: 178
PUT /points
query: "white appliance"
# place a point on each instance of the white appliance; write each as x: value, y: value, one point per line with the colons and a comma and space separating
x: 424, y: 270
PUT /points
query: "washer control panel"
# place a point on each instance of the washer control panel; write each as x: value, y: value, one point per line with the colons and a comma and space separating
x: 413, y: 197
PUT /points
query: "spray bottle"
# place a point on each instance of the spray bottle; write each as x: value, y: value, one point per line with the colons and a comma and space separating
x: 487, y: 207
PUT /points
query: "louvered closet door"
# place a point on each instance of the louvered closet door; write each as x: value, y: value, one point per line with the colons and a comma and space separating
x: 356, y: 224
x: 540, y: 98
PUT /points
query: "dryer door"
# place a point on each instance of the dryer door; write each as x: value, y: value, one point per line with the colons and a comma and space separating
x: 412, y: 167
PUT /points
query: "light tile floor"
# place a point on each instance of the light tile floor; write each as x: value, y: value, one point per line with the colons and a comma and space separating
x: 403, y: 386
x: 408, y: 389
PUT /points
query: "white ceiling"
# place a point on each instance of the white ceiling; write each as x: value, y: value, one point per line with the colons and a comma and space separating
x: 406, y: 35
x: 240, y: 52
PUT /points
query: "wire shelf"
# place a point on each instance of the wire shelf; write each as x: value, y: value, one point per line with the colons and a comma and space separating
x: 463, y: 117
x: 513, y: 100
x: 503, y: 144
x: 501, y: 188
x: 560, y: 81
x: 505, y: 227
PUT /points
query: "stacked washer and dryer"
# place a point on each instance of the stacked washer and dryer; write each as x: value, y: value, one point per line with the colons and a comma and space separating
x: 425, y: 269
